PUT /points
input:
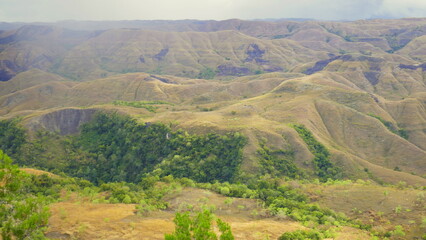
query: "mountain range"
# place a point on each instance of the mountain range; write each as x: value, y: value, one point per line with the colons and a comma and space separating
x: 359, y: 86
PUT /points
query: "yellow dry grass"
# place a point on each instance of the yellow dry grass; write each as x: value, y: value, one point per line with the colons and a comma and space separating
x: 382, y: 207
x: 83, y: 220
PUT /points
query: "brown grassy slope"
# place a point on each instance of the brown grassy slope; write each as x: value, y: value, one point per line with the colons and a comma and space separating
x: 43, y: 96
x: 187, y: 47
x: 378, y: 32
x: 410, y: 114
x: 367, y: 138
x: 330, y: 104
x: 177, y: 53
x: 383, y: 207
x: 35, y: 47
x: 85, y: 220
x: 363, y: 151
x: 136, y: 87
x: 415, y: 49
x: 358, y: 133
x: 256, y: 28
x: 368, y: 35
x: 365, y: 36
x: 344, y: 127
x: 27, y: 79
x: 379, y: 75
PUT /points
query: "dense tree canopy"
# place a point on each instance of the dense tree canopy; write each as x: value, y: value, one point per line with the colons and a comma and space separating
x: 114, y: 148
x: 123, y: 150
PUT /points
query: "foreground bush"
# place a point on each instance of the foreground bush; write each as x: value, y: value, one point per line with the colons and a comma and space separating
x: 302, y: 235
x: 22, y: 215
x: 198, y: 227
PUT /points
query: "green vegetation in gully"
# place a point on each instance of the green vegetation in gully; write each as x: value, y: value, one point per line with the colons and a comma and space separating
x: 324, y: 168
x: 278, y: 163
x: 391, y: 127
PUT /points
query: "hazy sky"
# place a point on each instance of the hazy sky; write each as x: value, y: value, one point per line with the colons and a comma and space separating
x: 54, y: 10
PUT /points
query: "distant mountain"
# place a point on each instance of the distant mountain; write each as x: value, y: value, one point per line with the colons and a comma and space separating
x: 284, y: 19
x: 189, y: 48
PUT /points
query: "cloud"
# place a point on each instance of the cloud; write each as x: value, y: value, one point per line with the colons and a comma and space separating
x: 317, y: 9
x: 402, y: 8
x: 54, y: 10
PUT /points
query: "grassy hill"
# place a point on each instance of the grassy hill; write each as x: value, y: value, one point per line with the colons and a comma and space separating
x: 200, y: 48
x: 305, y: 100
x: 187, y: 54
x: 341, y: 115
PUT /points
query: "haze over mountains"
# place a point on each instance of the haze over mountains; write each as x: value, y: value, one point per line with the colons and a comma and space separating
x: 339, y: 79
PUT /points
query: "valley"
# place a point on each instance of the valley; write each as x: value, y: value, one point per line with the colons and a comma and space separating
x: 302, y: 115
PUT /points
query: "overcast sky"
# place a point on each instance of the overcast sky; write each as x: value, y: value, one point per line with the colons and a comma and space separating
x: 56, y: 10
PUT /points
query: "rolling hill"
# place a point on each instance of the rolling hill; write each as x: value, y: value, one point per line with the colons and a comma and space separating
x: 353, y: 93
x: 328, y: 113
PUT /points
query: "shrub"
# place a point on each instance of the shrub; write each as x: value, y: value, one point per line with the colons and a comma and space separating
x: 302, y: 235
x: 398, y: 232
x: 198, y: 227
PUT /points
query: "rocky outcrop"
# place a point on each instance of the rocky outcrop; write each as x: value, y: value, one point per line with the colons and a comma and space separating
x: 64, y: 121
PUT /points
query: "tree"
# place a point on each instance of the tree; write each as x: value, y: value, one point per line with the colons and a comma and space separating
x: 22, y: 215
x: 182, y: 227
x: 199, y: 227
x: 225, y: 229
